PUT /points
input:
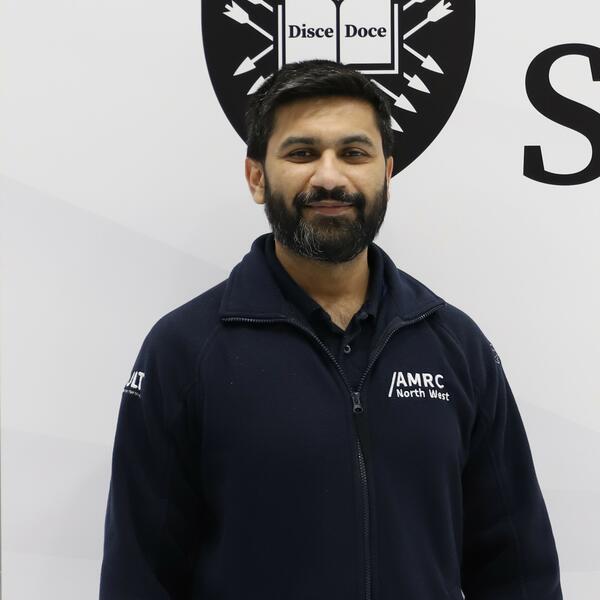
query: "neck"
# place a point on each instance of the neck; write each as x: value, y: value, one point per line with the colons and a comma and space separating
x: 328, y: 283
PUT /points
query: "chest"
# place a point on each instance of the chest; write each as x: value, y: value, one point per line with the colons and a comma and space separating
x: 274, y: 397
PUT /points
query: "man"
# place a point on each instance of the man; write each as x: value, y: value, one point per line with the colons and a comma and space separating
x: 321, y: 425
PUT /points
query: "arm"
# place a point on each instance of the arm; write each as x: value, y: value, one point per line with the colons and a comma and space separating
x: 153, y: 511
x: 509, y: 551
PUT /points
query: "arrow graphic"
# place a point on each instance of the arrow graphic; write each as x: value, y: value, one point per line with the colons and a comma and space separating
x: 255, y: 85
x: 439, y: 11
x: 248, y: 64
x: 427, y: 62
x: 416, y: 83
x: 395, y: 125
x: 400, y: 101
x: 412, y: 3
x: 237, y: 13
x: 261, y: 3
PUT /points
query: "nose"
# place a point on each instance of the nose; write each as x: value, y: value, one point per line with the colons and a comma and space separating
x: 328, y: 173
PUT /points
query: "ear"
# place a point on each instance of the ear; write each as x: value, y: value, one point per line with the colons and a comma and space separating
x: 389, y: 167
x: 256, y: 180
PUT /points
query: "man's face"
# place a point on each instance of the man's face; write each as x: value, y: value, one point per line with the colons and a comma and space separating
x: 325, y: 179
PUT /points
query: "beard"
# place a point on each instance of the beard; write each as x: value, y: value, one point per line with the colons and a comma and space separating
x: 327, y: 238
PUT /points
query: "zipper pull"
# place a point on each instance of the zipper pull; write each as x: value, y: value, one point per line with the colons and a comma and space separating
x: 356, y: 405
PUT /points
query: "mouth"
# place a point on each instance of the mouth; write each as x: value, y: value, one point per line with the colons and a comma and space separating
x: 329, y: 208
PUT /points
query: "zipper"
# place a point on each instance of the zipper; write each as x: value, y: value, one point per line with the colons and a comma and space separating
x: 366, y: 520
x: 357, y: 408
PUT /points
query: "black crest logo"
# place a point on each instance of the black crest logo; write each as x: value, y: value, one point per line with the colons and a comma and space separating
x: 417, y: 52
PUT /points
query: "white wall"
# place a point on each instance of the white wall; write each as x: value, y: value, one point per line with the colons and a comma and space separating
x: 123, y: 196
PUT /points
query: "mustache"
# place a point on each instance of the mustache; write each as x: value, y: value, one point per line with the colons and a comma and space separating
x: 338, y: 194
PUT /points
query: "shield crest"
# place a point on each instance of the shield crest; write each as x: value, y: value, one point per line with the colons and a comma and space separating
x: 417, y: 52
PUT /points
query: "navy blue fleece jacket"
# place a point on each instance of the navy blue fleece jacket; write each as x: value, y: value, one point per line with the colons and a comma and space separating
x: 246, y: 466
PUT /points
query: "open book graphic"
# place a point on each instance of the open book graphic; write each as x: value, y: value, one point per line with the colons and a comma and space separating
x: 360, y: 33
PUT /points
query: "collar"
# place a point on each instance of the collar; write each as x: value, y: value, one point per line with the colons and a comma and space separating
x: 298, y: 297
x: 252, y: 290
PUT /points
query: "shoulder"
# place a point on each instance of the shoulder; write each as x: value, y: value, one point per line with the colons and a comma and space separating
x: 470, y: 340
x: 192, y: 321
x: 176, y: 340
x: 460, y: 324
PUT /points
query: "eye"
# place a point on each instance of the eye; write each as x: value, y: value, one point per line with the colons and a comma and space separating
x: 358, y: 152
x: 298, y: 153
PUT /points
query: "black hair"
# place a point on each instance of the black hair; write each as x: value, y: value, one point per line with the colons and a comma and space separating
x: 310, y: 79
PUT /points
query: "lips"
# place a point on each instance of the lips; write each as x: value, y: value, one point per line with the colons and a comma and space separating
x: 328, y: 204
x: 330, y: 208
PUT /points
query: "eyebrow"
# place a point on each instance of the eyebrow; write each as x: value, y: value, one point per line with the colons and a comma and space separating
x: 311, y: 141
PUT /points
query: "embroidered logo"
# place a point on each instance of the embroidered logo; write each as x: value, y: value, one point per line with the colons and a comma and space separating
x: 134, y: 385
x: 418, y: 385
x: 496, y: 357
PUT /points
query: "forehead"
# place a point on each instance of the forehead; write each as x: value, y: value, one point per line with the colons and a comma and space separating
x: 328, y: 117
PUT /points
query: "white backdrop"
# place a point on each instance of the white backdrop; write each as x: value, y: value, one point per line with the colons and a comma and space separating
x: 123, y: 196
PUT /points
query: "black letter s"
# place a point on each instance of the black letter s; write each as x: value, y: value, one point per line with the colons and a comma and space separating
x: 563, y: 111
